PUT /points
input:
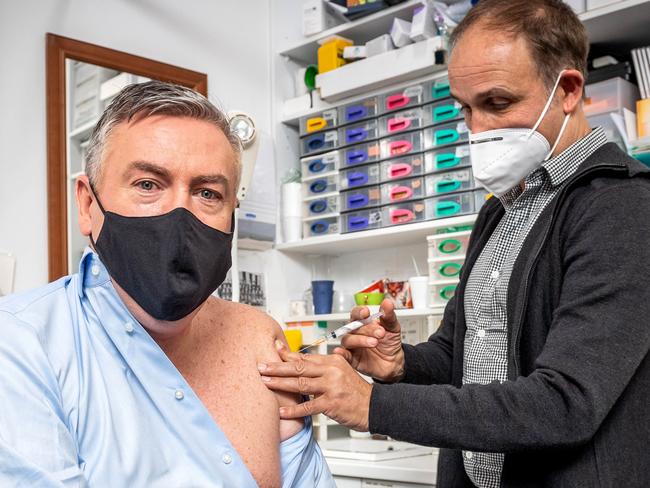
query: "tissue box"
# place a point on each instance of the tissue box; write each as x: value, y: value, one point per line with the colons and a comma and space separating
x: 400, y: 32
x: 354, y: 52
x: 379, y: 45
x: 422, y: 26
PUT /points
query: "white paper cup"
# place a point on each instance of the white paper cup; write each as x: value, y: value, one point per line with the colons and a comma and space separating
x: 418, y: 285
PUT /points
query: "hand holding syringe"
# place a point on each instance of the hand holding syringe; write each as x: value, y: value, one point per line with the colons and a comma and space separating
x: 345, y: 329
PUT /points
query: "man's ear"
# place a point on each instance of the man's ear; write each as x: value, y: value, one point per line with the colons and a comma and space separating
x: 572, y: 85
x: 85, y: 198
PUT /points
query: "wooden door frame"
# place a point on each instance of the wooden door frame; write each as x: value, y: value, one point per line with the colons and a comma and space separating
x: 58, y: 50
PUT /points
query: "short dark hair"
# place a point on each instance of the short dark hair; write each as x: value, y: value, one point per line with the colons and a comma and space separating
x: 556, y: 37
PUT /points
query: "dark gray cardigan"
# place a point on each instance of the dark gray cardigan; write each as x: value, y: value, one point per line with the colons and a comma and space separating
x: 576, y: 409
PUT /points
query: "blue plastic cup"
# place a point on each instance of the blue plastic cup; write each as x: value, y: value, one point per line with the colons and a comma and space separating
x: 323, y: 292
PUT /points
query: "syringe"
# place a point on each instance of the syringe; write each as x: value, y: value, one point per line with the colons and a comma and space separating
x: 344, y: 329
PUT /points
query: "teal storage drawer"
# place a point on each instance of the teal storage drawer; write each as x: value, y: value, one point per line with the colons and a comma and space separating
x: 437, y: 89
x: 450, y: 182
x: 442, y: 112
x: 455, y: 157
x: 445, y: 135
x: 454, y: 205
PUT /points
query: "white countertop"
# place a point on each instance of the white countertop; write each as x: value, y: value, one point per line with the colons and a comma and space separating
x: 419, y: 469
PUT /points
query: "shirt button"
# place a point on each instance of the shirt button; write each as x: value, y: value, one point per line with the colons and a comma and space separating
x: 94, y: 269
x: 481, y: 333
x: 179, y: 394
x: 495, y: 274
x: 128, y: 326
x: 469, y: 455
x: 226, y: 458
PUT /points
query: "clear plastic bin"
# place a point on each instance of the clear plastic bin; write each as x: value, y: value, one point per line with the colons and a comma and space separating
x: 362, y: 220
x: 437, y: 89
x: 321, y: 164
x: 440, y: 292
x: 453, y: 205
x: 358, y: 133
x: 609, y: 127
x: 411, y: 96
x: 321, y: 205
x: 361, y: 154
x: 449, y: 182
x: 404, y: 213
x: 401, y: 145
x: 400, y: 168
x: 445, y: 135
x: 325, y: 120
x: 448, y: 245
x: 401, y: 191
x: 360, y: 198
x: 442, y: 112
x: 357, y: 111
x: 446, y: 268
x: 318, y: 143
x: 455, y: 157
x: 320, y: 186
x: 321, y: 226
x: 611, y: 95
x: 401, y: 121
x: 360, y: 176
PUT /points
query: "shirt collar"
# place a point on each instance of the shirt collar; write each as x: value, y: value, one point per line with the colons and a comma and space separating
x: 559, y: 168
x: 92, y: 271
x: 562, y: 166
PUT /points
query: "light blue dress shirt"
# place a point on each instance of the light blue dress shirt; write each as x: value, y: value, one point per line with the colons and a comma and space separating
x: 87, y: 398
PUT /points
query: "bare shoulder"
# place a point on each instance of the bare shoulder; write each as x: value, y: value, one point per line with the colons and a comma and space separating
x: 260, y: 331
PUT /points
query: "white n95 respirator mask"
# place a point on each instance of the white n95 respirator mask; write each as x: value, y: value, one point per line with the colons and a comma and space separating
x: 502, y: 158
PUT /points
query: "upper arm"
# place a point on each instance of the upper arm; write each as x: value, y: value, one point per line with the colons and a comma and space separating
x: 35, y: 442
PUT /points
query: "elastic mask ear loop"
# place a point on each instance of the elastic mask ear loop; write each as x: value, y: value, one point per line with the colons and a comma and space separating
x: 559, y: 136
x: 101, y: 207
x: 547, y: 106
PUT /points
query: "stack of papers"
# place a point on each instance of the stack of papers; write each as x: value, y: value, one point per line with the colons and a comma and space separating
x: 641, y: 60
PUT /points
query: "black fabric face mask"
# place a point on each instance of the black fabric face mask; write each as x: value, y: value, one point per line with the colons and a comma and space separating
x: 169, y: 264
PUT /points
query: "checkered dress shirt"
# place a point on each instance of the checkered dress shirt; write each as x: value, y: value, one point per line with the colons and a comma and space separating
x: 486, y: 340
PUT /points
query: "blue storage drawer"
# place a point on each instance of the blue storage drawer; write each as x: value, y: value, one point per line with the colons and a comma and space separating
x: 359, y: 198
x: 321, y: 205
x: 319, y: 142
x: 359, y: 176
x: 320, y: 186
x: 321, y: 226
x: 361, y: 220
x: 357, y: 111
x: 358, y: 133
x: 360, y: 154
x: 321, y: 164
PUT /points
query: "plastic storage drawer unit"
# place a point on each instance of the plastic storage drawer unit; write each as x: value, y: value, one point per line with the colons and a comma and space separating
x: 611, y: 95
x: 403, y: 213
x: 321, y: 206
x: 442, y: 112
x: 318, y: 143
x: 437, y: 90
x: 320, y: 185
x: 440, y: 292
x: 445, y: 269
x: 358, y: 133
x: 360, y: 154
x: 401, y: 121
x: 401, y: 99
x: 448, y: 245
x: 321, y: 164
x: 446, y: 159
x: 450, y: 182
x: 357, y: 111
x: 361, y: 220
x: 401, y: 191
x: 445, y: 135
x: 360, y: 198
x: 453, y: 205
x: 328, y: 119
x: 401, y: 145
x: 400, y: 168
x: 359, y: 176
x: 321, y: 226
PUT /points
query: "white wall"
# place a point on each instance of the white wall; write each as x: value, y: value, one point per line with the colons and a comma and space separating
x: 228, y: 40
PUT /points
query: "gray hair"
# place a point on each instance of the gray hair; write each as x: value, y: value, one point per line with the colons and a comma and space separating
x: 155, y: 98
